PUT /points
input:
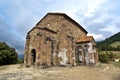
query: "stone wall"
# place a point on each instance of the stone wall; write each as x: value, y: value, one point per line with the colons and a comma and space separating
x: 53, y: 40
x: 88, y: 51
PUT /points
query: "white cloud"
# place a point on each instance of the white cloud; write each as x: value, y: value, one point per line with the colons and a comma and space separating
x: 98, y: 17
x: 97, y: 37
x: 92, y: 8
x: 111, y: 28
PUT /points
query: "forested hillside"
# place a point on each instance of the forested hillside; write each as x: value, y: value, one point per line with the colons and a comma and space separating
x: 112, y: 43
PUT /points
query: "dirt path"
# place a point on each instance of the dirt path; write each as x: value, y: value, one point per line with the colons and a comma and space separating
x: 17, y: 72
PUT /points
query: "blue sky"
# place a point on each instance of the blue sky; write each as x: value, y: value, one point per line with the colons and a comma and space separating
x: 101, y: 18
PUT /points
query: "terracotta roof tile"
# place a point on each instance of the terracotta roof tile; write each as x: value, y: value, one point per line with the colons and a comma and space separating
x: 85, y: 39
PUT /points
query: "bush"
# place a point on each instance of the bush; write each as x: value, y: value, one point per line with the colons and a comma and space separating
x: 20, y: 61
x: 111, y: 56
x: 103, y: 58
x: 8, y: 55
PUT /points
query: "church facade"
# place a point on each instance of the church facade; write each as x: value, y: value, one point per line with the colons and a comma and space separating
x: 59, y: 40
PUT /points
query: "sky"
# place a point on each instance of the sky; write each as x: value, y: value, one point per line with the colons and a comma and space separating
x: 101, y: 18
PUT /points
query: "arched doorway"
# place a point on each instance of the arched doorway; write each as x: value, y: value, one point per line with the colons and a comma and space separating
x: 33, y: 53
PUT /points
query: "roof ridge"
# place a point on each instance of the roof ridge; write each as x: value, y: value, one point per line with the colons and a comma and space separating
x: 60, y: 13
x: 66, y: 16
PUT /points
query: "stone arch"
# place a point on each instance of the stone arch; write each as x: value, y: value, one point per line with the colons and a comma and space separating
x: 33, y: 55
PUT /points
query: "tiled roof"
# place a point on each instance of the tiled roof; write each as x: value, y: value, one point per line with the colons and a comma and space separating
x: 84, y: 39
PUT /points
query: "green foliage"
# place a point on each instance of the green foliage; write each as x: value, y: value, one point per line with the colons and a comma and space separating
x: 106, y: 57
x: 20, y: 61
x: 111, y: 56
x: 8, y: 55
x: 118, y: 47
x: 115, y: 44
x: 107, y: 43
x: 117, y: 64
x: 103, y: 58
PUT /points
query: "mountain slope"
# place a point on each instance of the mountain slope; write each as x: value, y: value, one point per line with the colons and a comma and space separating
x: 115, y: 44
x: 111, y: 43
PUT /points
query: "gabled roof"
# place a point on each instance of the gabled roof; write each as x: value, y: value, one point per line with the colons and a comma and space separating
x: 66, y: 16
x: 85, y: 39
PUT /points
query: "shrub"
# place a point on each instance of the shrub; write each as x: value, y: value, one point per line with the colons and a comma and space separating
x: 20, y: 61
x: 103, y: 58
x: 111, y: 56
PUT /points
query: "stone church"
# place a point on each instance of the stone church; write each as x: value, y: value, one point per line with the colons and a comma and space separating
x: 59, y: 40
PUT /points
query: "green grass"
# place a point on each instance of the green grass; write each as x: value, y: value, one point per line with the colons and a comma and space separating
x: 115, y: 44
x: 117, y: 64
x: 117, y: 53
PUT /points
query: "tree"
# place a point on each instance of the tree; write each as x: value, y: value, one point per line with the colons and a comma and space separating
x: 8, y: 55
